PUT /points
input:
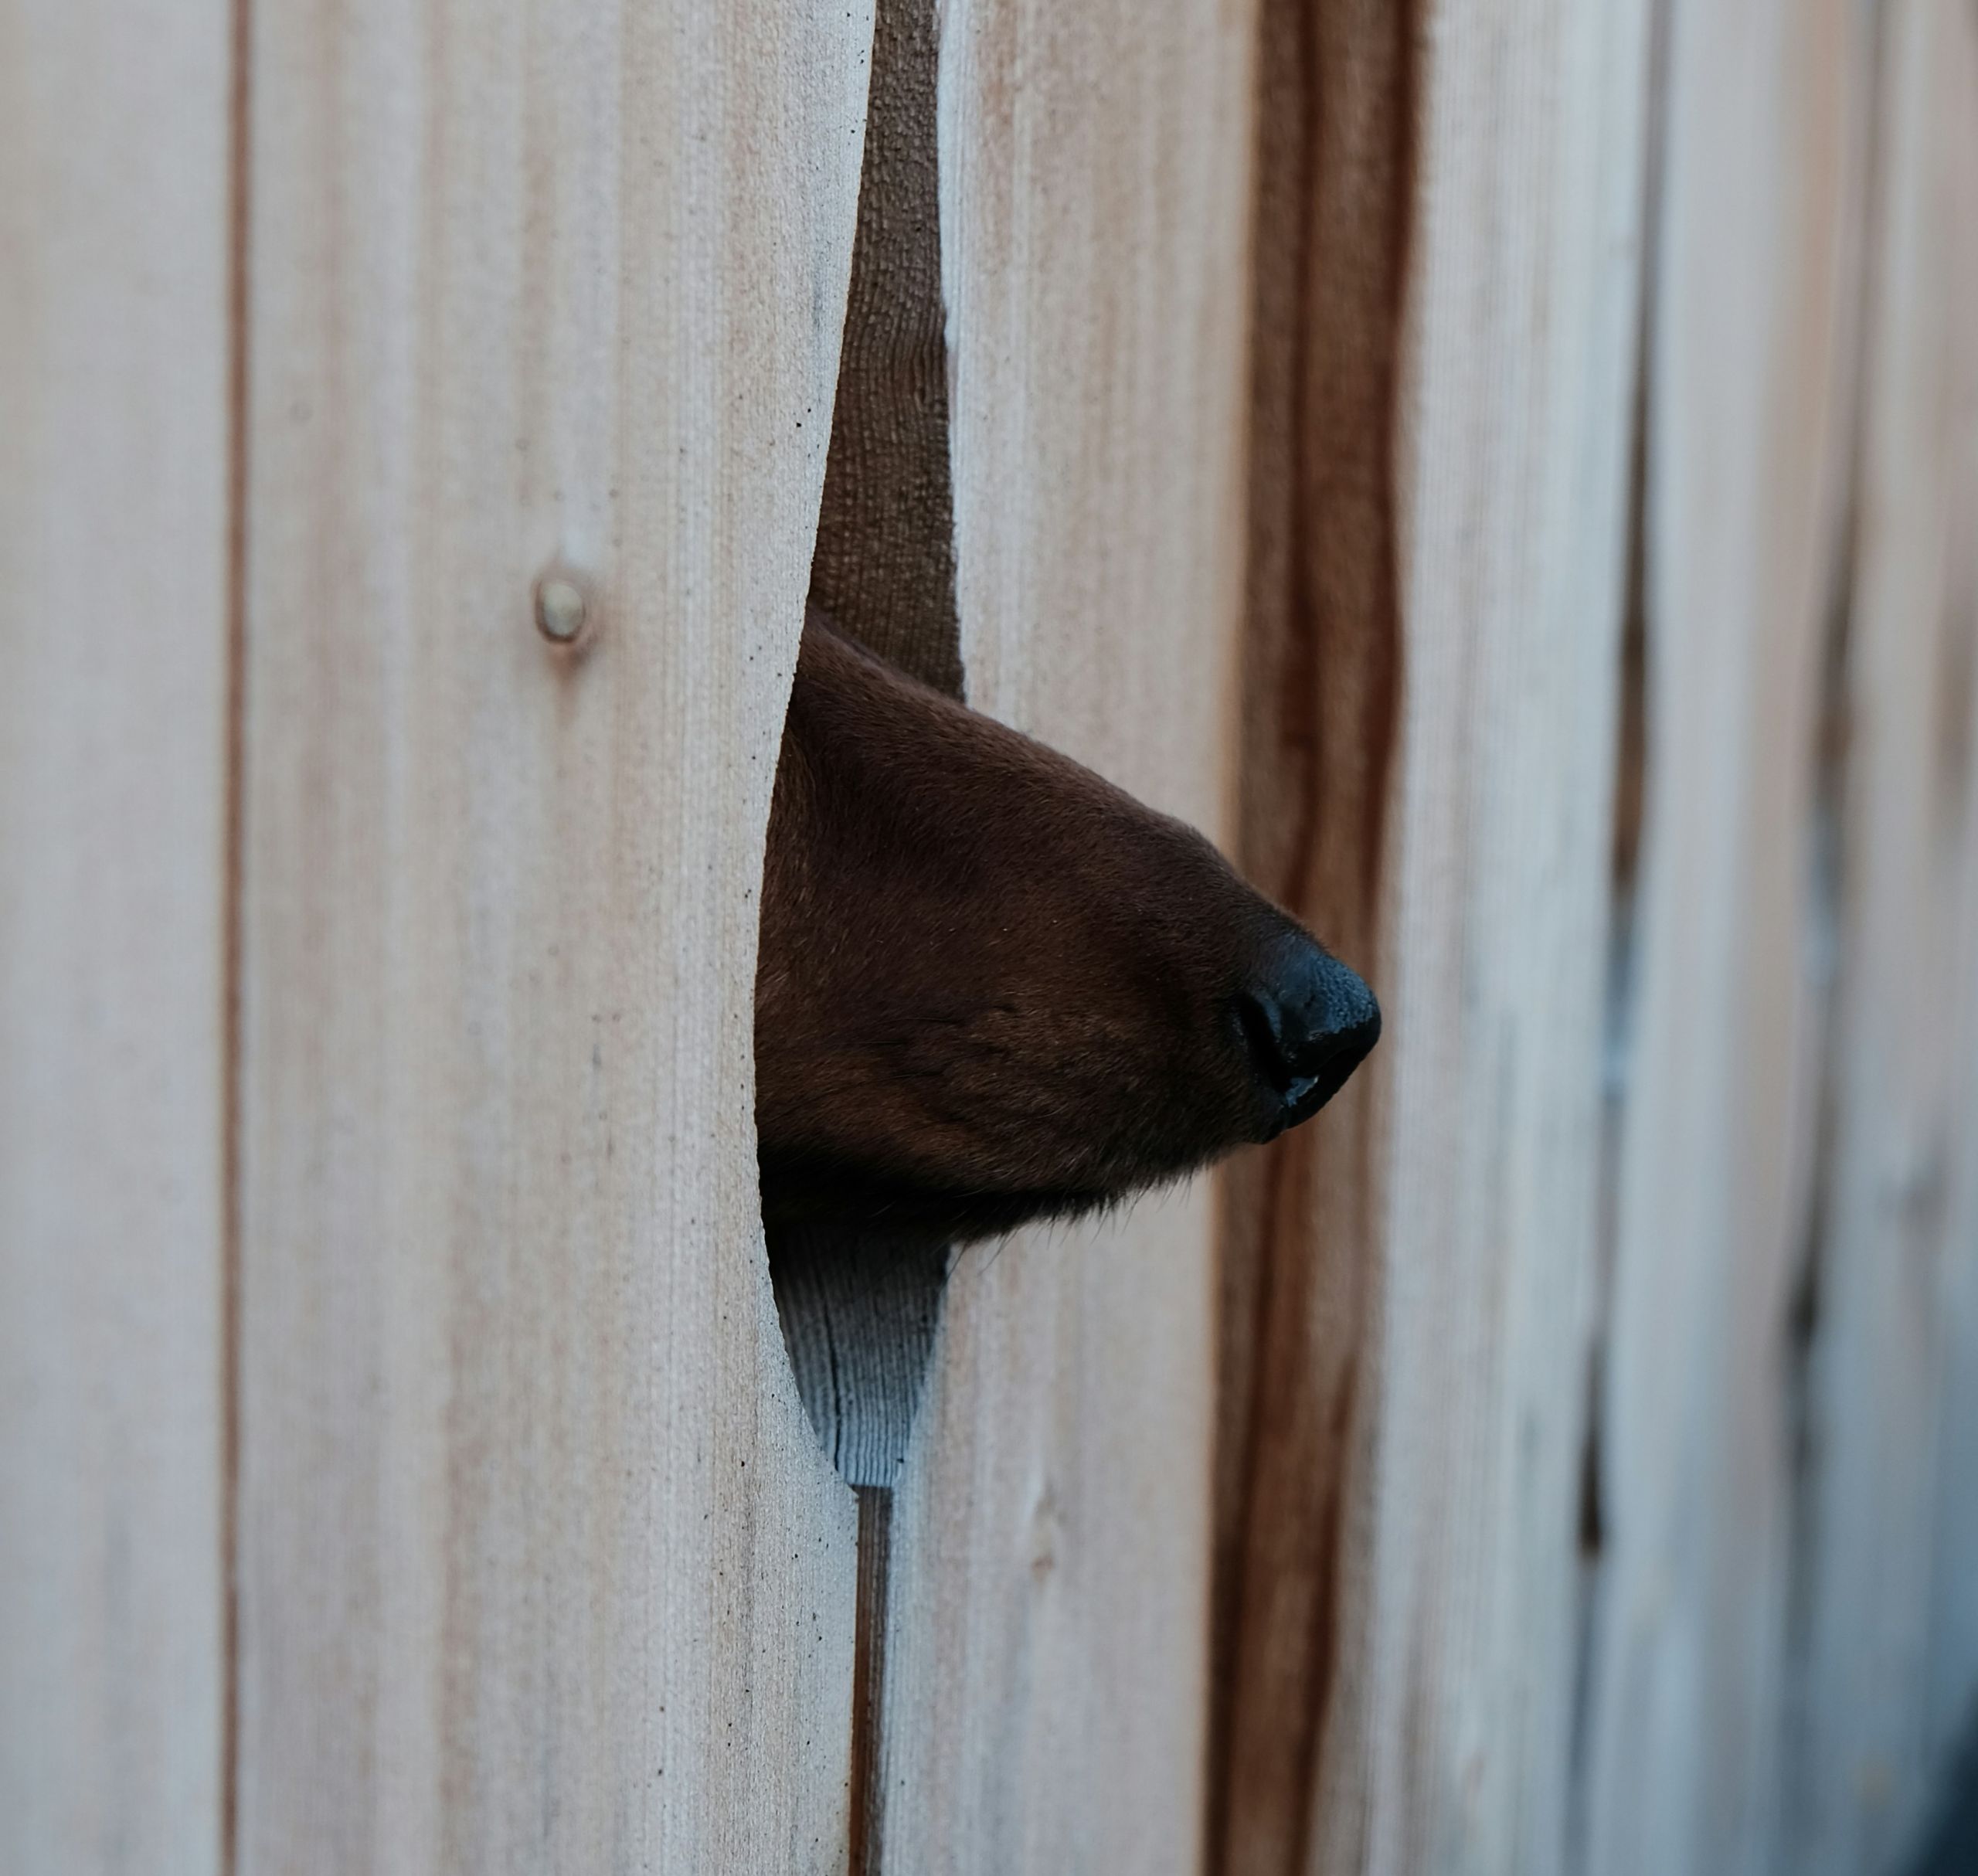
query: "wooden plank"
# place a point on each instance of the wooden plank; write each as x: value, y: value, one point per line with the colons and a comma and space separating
x: 112, y: 815
x: 1046, y: 1658
x: 1889, y: 1678
x: 540, y: 1565
x: 1448, y: 1748
x: 1438, y: 530
x: 1322, y: 641
x: 1748, y: 404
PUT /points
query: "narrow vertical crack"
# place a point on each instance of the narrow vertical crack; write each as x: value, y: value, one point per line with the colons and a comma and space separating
x: 858, y: 1321
x: 859, y: 1317
x: 868, y: 1792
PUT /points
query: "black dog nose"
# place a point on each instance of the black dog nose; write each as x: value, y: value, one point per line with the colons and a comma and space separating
x: 1309, y: 1022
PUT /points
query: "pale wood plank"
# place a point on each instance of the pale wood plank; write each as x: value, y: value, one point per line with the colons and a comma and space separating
x: 1446, y: 1746
x: 1047, y: 1653
x: 1890, y: 1674
x: 1754, y: 313
x: 540, y: 1566
x: 112, y: 808
x: 1321, y: 696
x: 1437, y: 587
x: 1429, y: 749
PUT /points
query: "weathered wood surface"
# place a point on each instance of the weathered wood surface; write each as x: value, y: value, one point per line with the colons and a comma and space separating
x: 1307, y: 525
x: 113, y: 844
x: 1754, y: 308
x: 1886, y: 1645
x: 1321, y: 675
x: 1438, y: 580
x: 1046, y: 1658
x: 540, y: 1567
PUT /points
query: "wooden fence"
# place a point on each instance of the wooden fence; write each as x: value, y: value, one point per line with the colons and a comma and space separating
x: 1507, y: 468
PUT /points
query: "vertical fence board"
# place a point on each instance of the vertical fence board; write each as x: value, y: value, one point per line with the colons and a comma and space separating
x: 1321, y: 672
x: 1047, y: 1654
x: 112, y: 807
x: 1448, y: 1745
x: 540, y: 1567
x: 1890, y: 1673
x: 1747, y: 450
x: 1401, y: 1671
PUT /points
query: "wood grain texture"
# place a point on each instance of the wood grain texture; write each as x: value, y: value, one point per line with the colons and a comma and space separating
x: 859, y: 1321
x: 1888, y: 1681
x: 113, y: 818
x: 1436, y: 590
x: 1334, y: 192
x: 1284, y: 363
x: 1046, y: 1660
x: 1449, y: 1749
x: 885, y: 566
x: 1754, y: 315
x: 540, y: 1566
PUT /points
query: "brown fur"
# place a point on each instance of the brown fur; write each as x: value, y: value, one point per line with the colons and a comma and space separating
x: 992, y: 987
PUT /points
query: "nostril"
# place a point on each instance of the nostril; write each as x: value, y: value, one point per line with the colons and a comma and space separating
x: 1263, y: 1019
x: 1309, y: 1022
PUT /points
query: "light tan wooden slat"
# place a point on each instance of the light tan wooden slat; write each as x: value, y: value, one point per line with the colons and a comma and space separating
x: 1321, y: 699
x: 1447, y: 1737
x: 1431, y: 721
x: 1437, y: 532
x: 113, y: 192
x: 1748, y: 403
x: 540, y: 1566
x: 1890, y: 1677
x: 1046, y: 1658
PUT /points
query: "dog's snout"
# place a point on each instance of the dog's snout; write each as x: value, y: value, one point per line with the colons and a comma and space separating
x: 1309, y: 1022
